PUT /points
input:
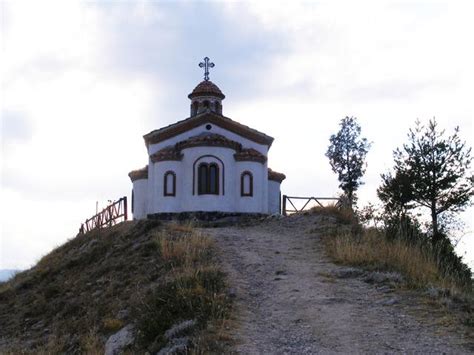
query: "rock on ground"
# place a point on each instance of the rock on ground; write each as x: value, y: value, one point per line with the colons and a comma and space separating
x: 120, y: 340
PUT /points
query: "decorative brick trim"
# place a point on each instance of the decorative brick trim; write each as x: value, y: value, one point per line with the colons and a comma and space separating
x: 169, y: 153
x: 275, y: 176
x: 210, y: 140
x: 139, y: 174
x: 177, y: 128
x: 250, y: 155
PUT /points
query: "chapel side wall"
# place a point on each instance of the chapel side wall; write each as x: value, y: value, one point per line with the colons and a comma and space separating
x: 140, y: 189
x: 257, y: 202
x: 266, y: 192
x: 273, y: 197
x: 246, y: 143
x: 159, y: 202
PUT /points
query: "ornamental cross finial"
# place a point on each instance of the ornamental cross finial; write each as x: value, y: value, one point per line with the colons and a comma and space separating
x: 206, y: 65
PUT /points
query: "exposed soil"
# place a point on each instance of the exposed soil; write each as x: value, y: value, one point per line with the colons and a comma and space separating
x: 291, y: 299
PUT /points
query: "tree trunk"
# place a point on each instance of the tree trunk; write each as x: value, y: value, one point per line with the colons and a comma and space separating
x: 349, y: 197
x: 434, y: 222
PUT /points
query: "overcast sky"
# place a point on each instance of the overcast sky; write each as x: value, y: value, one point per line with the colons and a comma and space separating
x: 81, y: 82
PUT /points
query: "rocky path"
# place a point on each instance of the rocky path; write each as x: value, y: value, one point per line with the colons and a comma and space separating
x: 289, y: 300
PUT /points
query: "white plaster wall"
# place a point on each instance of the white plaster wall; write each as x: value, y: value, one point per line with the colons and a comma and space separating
x: 246, y: 143
x: 228, y: 200
x: 140, y: 190
x: 258, y: 202
x: 159, y: 202
x: 273, y: 197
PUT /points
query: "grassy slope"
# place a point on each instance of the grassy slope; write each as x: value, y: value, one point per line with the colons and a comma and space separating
x: 136, y: 272
x: 370, y: 249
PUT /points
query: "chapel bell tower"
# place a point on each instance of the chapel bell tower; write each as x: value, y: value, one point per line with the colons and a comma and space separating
x: 206, y: 96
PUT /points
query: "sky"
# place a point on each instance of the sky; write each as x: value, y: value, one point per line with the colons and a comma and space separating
x: 82, y: 82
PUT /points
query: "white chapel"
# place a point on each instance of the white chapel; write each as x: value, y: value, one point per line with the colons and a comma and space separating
x: 206, y: 163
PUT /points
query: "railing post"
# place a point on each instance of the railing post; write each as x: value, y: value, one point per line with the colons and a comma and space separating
x: 283, y: 209
x: 125, y: 207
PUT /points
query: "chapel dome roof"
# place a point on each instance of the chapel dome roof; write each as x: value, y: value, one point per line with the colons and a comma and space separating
x: 206, y: 88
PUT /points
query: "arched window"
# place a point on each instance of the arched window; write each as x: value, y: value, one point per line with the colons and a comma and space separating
x: 194, y: 109
x: 246, y: 184
x: 169, y: 185
x: 206, y: 104
x: 208, y: 179
x: 214, y: 179
x: 202, y: 178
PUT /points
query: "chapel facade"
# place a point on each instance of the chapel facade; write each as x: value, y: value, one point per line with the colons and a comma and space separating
x: 206, y: 163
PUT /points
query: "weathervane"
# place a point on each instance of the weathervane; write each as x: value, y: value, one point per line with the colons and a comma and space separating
x: 206, y: 65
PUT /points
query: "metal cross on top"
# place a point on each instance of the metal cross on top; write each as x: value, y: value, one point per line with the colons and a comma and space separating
x: 206, y: 65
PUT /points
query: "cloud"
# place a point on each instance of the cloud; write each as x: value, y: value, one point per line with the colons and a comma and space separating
x: 82, y: 82
x: 15, y: 127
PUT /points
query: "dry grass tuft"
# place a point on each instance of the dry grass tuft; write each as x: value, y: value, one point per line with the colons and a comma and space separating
x: 181, y: 227
x: 194, y: 289
x: 112, y: 324
x: 92, y: 343
x: 343, y: 215
x: 372, y: 250
x: 185, y: 249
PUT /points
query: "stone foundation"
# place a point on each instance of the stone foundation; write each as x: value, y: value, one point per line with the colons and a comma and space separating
x: 200, y: 216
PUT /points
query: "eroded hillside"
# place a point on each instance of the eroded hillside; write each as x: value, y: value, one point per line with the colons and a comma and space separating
x: 243, y: 286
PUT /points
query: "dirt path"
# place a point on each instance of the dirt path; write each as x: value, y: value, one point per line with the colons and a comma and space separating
x: 289, y: 303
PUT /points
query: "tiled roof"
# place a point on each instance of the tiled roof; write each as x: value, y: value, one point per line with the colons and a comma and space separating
x: 275, y: 176
x: 139, y: 174
x: 250, y: 155
x: 206, y: 88
x: 187, y: 124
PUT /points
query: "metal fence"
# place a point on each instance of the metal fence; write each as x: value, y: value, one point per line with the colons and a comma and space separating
x: 299, y: 204
x: 111, y: 215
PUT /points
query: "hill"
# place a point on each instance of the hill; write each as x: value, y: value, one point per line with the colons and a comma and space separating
x: 302, y: 284
x: 292, y: 297
x: 143, y: 277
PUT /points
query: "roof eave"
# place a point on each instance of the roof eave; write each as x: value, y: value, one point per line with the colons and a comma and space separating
x: 172, y: 130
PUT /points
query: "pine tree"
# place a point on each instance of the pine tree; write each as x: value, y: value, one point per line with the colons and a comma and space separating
x: 437, y: 168
x: 346, y: 153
